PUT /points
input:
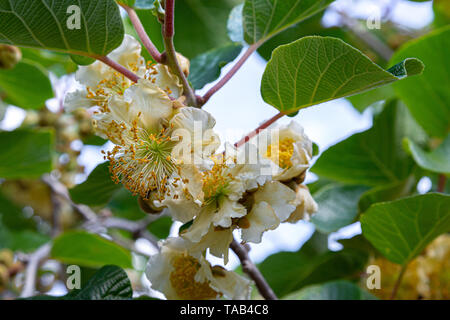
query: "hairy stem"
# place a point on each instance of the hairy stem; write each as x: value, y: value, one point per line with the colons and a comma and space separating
x: 34, y: 260
x: 262, y: 127
x: 127, y: 73
x: 170, y: 55
x: 230, y: 73
x: 398, y: 282
x: 148, y: 44
x: 253, y: 272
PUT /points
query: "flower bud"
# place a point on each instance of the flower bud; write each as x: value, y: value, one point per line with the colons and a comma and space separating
x: 9, y: 56
x: 6, y: 257
x: 184, y: 63
x: 148, y: 206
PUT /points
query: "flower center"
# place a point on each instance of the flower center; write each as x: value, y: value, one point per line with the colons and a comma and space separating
x: 281, y: 153
x: 144, y: 165
x: 215, y: 183
x: 182, y: 279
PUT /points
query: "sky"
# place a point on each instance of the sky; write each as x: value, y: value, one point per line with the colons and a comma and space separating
x: 238, y: 109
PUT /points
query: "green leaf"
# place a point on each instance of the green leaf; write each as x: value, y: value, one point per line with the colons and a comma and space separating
x: 23, y: 240
x: 428, y: 97
x: 374, y: 157
x: 441, y: 10
x: 338, y: 207
x: 314, y: 70
x: 160, y: 227
x: 26, y: 85
x: 437, y: 160
x: 97, y: 190
x: 336, y: 290
x: 366, y: 99
x: 262, y: 19
x: 25, y: 153
x: 206, y: 67
x: 91, y: 250
x: 56, y: 62
x: 309, y: 266
x: 388, y: 192
x: 124, y: 205
x: 82, y: 60
x: 108, y: 283
x: 44, y: 24
x: 401, y: 229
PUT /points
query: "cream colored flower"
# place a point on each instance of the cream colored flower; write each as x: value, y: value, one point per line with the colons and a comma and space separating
x: 305, y: 205
x: 181, y: 274
x: 289, y: 150
x: 128, y: 54
x: 271, y: 204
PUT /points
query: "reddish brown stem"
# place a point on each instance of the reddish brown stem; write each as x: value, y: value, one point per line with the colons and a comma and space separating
x: 441, y: 183
x: 169, y: 29
x: 255, y: 132
x: 253, y: 272
x: 148, y: 44
x: 398, y: 282
x: 127, y: 73
x: 231, y: 73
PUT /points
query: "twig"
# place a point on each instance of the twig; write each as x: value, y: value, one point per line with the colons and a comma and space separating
x: 383, y: 50
x: 230, y: 73
x: 97, y: 224
x: 441, y: 183
x: 127, y: 73
x: 262, y: 127
x: 249, y: 267
x: 61, y: 190
x: 56, y: 213
x: 34, y: 260
x: 169, y: 57
x: 148, y: 44
x: 398, y: 282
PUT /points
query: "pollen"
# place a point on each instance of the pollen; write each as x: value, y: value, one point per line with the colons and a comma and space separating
x: 215, y: 182
x: 281, y: 153
x: 182, y: 279
x: 142, y: 161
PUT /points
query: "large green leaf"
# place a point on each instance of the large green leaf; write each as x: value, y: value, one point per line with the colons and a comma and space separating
x: 338, y: 207
x: 428, y: 96
x: 263, y: 19
x: 374, y: 157
x: 97, y: 190
x: 26, y: 85
x: 315, y: 69
x: 91, y: 250
x: 206, y: 67
x: 108, y: 283
x: 287, y: 272
x: 401, y: 229
x: 44, y: 24
x: 437, y: 160
x: 25, y: 153
x: 387, y: 192
x: 336, y: 290
x: 23, y: 240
